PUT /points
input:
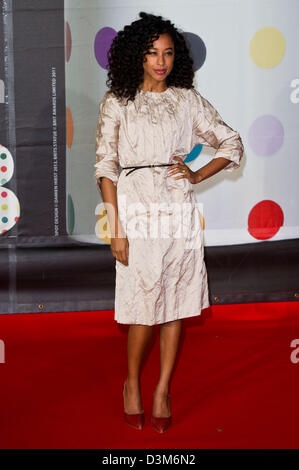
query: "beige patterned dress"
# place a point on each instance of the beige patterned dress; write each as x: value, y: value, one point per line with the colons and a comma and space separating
x: 166, y: 277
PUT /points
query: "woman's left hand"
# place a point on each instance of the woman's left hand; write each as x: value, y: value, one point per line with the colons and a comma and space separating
x: 181, y: 167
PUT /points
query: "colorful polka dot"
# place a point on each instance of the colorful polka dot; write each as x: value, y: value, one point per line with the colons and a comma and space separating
x: 9, y: 210
x: 7, y: 169
x: 69, y: 128
x: 193, y: 154
x: 102, y: 44
x: 102, y: 228
x: 265, y: 219
x: 197, y: 49
x: 202, y: 220
x: 68, y: 42
x: 267, y: 47
x: 9, y: 204
x: 266, y: 135
x: 70, y: 215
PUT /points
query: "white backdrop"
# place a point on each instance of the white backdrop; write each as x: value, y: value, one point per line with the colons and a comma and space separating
x: 248, y: 56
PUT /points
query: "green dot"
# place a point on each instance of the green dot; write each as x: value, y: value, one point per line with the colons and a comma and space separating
x: 3, y: 156
x: 4, y: 220
x: 3, y: 181
x: 70, y: 215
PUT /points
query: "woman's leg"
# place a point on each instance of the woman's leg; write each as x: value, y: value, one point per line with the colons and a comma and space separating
x: 169, y: 341
x: 138, y: 338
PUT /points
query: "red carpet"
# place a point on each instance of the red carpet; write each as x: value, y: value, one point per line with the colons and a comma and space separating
x: 234, y: 384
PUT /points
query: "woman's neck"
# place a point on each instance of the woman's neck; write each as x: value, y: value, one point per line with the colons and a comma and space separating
x: 154, y: 88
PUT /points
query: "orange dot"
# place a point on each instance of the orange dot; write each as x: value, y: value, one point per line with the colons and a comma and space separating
x: 69, y: 128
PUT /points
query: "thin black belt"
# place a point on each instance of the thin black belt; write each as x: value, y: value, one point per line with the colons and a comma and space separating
x: 145, y: 166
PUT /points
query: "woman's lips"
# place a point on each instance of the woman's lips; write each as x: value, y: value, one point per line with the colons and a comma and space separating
x: 160, y: 72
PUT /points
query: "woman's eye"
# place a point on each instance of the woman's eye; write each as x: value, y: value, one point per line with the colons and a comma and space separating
x: 170, y: 53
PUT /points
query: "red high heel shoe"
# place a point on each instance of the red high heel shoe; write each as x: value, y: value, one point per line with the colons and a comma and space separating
x: 134, y: 419
x: 161, y: 424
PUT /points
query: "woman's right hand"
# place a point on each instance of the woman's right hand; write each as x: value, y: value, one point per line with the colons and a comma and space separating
x: 119, y: 240
x: 120, y: 249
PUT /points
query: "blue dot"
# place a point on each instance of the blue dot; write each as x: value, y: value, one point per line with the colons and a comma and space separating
x: 194, y: 153
x: 197, y: 49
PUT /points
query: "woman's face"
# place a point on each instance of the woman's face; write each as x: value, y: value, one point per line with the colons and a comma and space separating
x: 159, y: 58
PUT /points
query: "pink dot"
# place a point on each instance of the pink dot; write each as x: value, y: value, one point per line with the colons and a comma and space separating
x: 266, y: 135
x: 265, y: 219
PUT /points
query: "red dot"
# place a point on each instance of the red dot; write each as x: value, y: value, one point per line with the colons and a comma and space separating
x: 265, y: 219
x: 4, y: 169
x: 4, y: 194
x: 68, y: 41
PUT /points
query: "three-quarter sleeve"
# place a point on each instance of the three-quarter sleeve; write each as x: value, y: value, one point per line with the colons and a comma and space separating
x: 107, y: 139
x: 209, y: 129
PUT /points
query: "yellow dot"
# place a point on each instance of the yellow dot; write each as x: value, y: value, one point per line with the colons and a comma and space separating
x: 267, y: 47
x: 4, y: 207
x: 202, y: 220
x: 103, y: 228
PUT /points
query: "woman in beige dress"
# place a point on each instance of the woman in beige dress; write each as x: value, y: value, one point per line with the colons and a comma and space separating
x: 149, y: 120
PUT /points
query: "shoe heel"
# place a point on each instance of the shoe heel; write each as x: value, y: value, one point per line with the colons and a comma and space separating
x: 136, y: 420
x: 161, y: 424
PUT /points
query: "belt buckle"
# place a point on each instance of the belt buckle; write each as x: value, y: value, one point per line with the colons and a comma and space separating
x: 156, y: 169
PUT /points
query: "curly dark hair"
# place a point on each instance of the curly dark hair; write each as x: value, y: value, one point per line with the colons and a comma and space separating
x: 127, y: 51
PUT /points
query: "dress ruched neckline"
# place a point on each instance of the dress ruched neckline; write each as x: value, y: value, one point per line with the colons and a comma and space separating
x: 155, y: 92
